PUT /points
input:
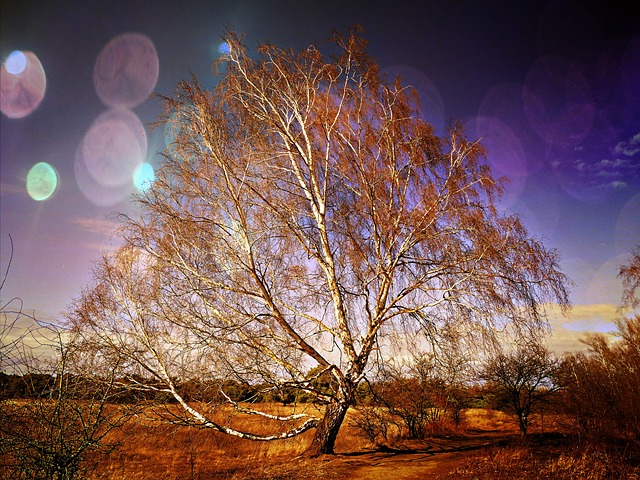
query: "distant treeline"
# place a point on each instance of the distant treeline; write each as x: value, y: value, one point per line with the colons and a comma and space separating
x: 136, y: 389
x: 125, y: 390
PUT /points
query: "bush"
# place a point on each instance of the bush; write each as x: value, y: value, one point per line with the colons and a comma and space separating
x: 417, y: 401
x: 602, y: 387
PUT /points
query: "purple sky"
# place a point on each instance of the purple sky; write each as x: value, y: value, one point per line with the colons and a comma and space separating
x: 553, y: 87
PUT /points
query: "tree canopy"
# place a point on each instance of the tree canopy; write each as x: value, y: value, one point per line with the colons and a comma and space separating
x: 303, y: 214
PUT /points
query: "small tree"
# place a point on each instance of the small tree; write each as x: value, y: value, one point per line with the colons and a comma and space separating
x: 303, y: 211
x: 523, y: 379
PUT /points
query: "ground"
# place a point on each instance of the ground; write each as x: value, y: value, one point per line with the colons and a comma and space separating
x: 440, y: 458
x: 487, y: 446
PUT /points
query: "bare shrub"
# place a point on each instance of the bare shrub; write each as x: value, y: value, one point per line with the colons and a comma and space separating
x: 630, y: 275
x: 602, y: 386
x: 59, y: 429
x: 373, y: 421
x: 417, y: 399
x: 13, y: 329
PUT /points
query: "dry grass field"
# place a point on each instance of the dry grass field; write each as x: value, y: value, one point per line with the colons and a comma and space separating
x: 487, y: 446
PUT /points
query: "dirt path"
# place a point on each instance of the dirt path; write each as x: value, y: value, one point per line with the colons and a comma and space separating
x: 410, y: 462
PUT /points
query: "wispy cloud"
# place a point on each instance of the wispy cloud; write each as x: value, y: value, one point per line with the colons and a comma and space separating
x: 100, y: 226
x: 595, y: 318
x: 607, y: 174
x: 10, y: 189
x: 630, y: 147
x: 613, y: 171
x: 606, y: 163
x: 618, y: 185
x: 568, y: 331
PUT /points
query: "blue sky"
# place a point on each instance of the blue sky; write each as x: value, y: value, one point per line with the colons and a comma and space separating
x: 553, y: 87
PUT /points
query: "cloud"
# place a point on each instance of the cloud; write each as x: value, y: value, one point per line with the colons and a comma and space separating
x: 98, y: 234
x: 613, y: 170
x: 9, y: 189
x: 621, y: 162
x: 97, y: 225
x: 618, y: 185
x: 629, y: 148
x: 606, y: 163
x: 567, y: 331
x: 608, y: 174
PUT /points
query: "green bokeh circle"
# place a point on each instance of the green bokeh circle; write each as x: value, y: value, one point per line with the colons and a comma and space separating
x: 42, y: 181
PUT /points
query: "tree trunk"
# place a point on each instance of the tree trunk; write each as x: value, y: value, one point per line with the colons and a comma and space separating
x: 328, y: 428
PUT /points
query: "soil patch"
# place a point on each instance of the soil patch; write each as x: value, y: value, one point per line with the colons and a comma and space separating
x: 412, y: 460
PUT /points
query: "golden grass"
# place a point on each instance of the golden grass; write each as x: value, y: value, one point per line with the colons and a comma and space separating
x: 488, y: 420
x: 151, y: 449
x: 525, y: 463
x: 162, y: 452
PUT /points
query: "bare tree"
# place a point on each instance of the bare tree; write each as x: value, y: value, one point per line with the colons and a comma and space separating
x: 303, y: 213
x: 524, y: 378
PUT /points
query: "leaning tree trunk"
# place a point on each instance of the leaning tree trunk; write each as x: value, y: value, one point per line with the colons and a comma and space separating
x: 328, y: 428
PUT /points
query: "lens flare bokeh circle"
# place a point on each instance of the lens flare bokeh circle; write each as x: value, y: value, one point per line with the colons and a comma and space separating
x: 126, y: 70
x: 22, y: 84
x: 42, y: 181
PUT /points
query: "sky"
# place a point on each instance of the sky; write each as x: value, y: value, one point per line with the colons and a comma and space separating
x: 552, y: 87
